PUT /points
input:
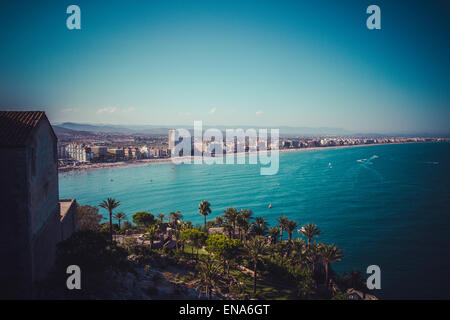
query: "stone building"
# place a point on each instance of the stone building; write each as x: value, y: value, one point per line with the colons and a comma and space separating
x: 31, y: 223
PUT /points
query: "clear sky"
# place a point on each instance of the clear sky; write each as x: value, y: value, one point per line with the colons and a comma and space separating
x: 265, y: 63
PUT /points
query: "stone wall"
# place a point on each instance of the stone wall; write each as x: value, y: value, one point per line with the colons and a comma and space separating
x: 43, y: 200
x: 15, y: 240
x: 68, y: 217
x: 30, y: 219
x: 44, y: 250
x: 43, y: 177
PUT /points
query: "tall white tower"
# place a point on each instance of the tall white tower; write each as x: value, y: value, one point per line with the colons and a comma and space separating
x: 171, y: 140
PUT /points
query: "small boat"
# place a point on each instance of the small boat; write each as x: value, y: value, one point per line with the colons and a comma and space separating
x: 270, y: 206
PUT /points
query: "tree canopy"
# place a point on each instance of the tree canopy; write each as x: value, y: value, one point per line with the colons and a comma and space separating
x: 143, y: 219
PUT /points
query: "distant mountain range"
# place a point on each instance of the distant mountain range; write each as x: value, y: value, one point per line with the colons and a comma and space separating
x: 85, y: 128
x: 62, y: 132
x: 158, y: 130
x: 108, y: 128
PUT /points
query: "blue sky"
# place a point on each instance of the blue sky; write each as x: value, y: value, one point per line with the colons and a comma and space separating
x: 264, y: 63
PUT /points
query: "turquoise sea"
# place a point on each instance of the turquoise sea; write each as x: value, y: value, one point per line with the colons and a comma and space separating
x: 387, y: 205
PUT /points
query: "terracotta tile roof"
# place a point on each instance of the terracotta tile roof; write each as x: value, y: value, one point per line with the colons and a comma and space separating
x: 17, y: 126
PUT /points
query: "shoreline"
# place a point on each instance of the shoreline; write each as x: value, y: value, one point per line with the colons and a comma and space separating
x: 143, y: 162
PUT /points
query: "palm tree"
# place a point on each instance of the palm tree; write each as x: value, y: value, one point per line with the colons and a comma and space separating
x: 151, y: 235
x: 246, y: 227
x: 330, y: 254
x: 246, y: 213
x: 282, y: 221
x: 219, y: 221
x: 209, y: 271
x: 110, y: 204
x: 228, y: 228
x: 204, y: 208
x: 177, y: 234
x: 290, y: 227
x: 298, y: 251
x: 175, y: 217
x: 119, y: 216
x: 161, y: 217
x: 231, y: 215
x: 312, y: 254
x: 274, y: 234
x: 242, y: 219
x: 240, y: 223
x: 310, y: 231
x: 256, y: 248
x: 260, y: 226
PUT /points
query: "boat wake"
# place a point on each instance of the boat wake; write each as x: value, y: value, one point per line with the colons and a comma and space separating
x: 365, y: 164
x: 367, y: 161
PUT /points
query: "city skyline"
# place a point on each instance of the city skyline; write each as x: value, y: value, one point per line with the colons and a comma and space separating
x: 231, y: 64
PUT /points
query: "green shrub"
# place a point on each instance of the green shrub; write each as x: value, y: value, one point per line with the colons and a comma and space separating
x: 143, y: 219
x: 130, y: 244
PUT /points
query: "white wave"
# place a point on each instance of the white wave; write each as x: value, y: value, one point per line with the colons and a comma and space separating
x: 368, y: 161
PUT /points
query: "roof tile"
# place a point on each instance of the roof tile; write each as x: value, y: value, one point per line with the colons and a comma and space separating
x: 17, y: 126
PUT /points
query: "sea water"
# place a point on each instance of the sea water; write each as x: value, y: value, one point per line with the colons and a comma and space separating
x: 387, y: 205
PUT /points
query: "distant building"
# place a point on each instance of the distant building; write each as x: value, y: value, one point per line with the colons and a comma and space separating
x: 99, y: 153
x: 171, y: 140
x: 159, y: 153
x: 31, y: 223
x: 314, y: 143
x: 79, y: 152
x: 145, y: 152
x: 62, y: 153
x: 117, y: 154
x: 128, y: 153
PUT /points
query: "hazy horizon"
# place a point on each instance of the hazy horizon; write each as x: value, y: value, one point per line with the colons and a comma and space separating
x: 284, y: 130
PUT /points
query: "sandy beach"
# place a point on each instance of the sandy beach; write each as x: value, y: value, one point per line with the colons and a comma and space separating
x: 92, y: 166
